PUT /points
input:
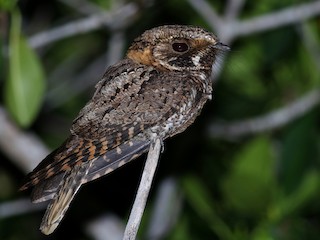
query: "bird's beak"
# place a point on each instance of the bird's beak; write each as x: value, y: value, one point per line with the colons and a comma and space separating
x: 222, y: 47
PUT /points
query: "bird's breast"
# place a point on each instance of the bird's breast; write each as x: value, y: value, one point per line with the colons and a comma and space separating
x: 182, y: 115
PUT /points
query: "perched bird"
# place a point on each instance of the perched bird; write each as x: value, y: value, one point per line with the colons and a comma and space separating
x: 157, y: 90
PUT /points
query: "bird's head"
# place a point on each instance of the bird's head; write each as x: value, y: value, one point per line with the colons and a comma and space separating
x: 177, y: 48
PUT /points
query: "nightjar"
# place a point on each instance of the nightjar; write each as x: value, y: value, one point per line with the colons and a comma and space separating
x: 157, y: 90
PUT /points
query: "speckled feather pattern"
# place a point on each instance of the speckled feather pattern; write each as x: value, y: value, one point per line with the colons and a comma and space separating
x: 154, y: 91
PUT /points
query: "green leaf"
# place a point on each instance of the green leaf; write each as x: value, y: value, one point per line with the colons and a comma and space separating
x: 249, y: 186
x: 299, y: 198
x: 106, y: 4
x: 25, y: 86
x: 7, y: 5
x: 199, y: 197
x: 242, y: 71
x: 181, y: 230
x: 299, y: 151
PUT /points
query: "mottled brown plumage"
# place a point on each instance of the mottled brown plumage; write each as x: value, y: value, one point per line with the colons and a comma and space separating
x: 157, y: 90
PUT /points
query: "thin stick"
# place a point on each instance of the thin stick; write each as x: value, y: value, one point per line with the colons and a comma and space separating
x: 23, y: 148
x: 208, y: 13
x: 269, y: 121
x: 131, y: 230
x: 276, y: 19
x: 84, y: 25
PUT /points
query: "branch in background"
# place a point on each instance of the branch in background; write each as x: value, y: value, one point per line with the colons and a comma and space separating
x: 228, y: 30
x: 270, y: 121
x: 85, y: 79
x: 107, y: 227
x: 82, y: 6
x: 310, y: 41
x: 138, y: 207
x: 85, y: 25
x: 207, y: 12
x: 166, y: 209
x: 89, y: 76
x: 89, y: 8
x: 277, y: 19
x: 233, y: 9
x: 24, y: 149
x: 81, y: 82
x: 19, y: 207
x: 116, y: 47
x: 116, y: 42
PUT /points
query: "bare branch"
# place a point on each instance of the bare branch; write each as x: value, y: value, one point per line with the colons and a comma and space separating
x: 277, y: 19
x: 207, y: 12
x: 18, y: 207
x: 24, y: 149
x: 143, y: 191
x: 107, y: 227
x: 82, y: 6
x: 270, y: 121
x: 228, y: 29
x: 85, y: 25
x: 116, y: 47
x: 311, y: 43
x: 233, y: 9
x: 166, y: 209
x: 81, y: 82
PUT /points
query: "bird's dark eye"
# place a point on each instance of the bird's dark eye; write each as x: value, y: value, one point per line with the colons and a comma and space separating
x: 180, y: 47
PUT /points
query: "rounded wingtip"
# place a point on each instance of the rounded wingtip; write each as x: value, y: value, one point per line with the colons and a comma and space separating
x: 48, y: 229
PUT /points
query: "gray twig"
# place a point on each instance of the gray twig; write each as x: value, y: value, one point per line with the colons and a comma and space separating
x: 83, y: 25
x: 116, y: 45
x: 269, y: 121
x: 229, y: 29
x: 166, y: 209
x: 207, y: 12
x: 233, y: 9
x: 107, y: 227
x: 79, y: 83
x: 138, y: 207
x: 277, y: 19
x: 23, y: 148
x: 82, y: 6
x: 310, y: 42
x: 17, y: 207
x: 86, y: 78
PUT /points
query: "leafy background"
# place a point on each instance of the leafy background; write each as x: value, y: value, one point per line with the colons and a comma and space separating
x: 212, y: 182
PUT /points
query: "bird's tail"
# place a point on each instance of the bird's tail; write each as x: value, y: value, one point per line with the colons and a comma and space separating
x: 59, y: 205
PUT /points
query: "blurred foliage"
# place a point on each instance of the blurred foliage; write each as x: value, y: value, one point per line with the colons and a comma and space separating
x: 25, y: 85
x: 7, y: 5
x: 261, y: 187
